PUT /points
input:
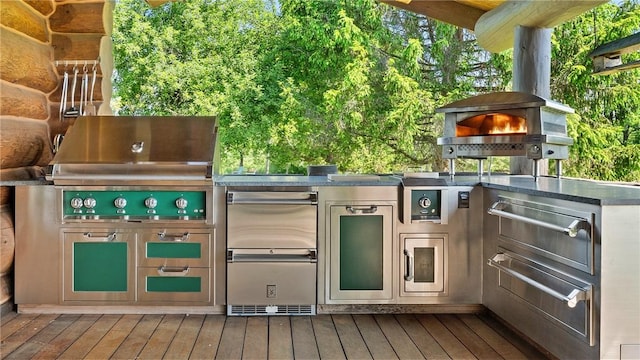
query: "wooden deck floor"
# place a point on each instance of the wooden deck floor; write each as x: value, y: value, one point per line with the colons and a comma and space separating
x: 406, y: 336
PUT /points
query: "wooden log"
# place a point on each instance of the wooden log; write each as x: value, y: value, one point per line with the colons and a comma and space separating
x: 22, y: 102
x: 24, y: 143
x: 21, y: 17
x: 7, y: 239
x: 495, y: 29
x: 6, y: 195
x: 452, y: 12
x: 45, y: 7
x: 76, y: 46
x: 531, y: 74
x: 80, y: 17
x: 6, y: 287
x: 22, y: 173
x: 27, y: 62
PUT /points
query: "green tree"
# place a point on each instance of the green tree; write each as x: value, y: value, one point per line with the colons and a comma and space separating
x: 607, y: 131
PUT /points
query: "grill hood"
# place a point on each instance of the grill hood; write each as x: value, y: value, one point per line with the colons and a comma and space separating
x: 130, y: 149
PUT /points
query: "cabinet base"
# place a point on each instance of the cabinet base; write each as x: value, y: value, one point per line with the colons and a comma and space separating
x: 59, y: 309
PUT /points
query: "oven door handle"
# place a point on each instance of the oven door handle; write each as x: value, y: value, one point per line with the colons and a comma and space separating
x: 408, y: 272
x: 362, y: 210
x: 497, y: 209
x: 571, y: 299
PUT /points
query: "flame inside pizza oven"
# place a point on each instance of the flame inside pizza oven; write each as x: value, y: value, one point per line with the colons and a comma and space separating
x: 492, y: 124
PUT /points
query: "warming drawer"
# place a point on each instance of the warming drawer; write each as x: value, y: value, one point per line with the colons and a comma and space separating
x: 174, y: 248
x: 169, y: 284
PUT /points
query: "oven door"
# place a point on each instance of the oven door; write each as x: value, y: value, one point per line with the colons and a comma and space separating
x: 424, y: 264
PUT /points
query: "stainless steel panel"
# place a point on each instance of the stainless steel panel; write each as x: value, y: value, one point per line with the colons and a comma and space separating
x: 176, y: 296
x: 176, y: 237
x: 38, y: 256
x: 271, y: 283
x: 564, y: 300
x: 272, y: 223
x: 432, y: 263
x: 558, y: 233
x: 70, y: 238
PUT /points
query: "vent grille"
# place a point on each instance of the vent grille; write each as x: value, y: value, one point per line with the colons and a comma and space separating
x: 488, y: 147
x: 252, y: 310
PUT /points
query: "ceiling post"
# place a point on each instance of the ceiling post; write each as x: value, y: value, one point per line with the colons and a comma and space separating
x: 531, y: 74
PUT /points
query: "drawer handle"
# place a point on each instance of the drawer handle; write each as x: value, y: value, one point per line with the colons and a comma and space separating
x: 163, y: 236
x: 497, y: 209
x: 408, y: 273
x: 108, y: 237
x: 571, y: 299
x: 362, y: 210
x: 173, y: 271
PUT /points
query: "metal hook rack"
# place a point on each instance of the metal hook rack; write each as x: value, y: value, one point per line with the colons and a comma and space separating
x: 85, y: 63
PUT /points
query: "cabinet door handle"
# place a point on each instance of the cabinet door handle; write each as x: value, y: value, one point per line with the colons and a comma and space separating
x: 107, y: 237
x: 362, y: 210
x: 408, y: 272
x: 173, y: 271
x: 163, y: 236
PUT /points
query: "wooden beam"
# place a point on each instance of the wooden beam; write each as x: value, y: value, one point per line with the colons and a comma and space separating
x: 607, y: 57
x: 448, y: 11
x: 495, y: 29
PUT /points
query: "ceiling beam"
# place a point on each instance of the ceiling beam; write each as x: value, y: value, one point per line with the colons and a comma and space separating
x: 495, y: 30
x: 448, y: 11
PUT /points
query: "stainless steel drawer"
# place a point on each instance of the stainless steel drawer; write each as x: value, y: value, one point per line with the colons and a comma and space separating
x: 174, y: 248
x: 271, y: 283
x: 173, y: 284
x: 565, y: 301
x: 553, y: 232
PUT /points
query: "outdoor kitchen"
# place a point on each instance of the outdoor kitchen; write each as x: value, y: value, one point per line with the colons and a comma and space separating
x: 132, y: 215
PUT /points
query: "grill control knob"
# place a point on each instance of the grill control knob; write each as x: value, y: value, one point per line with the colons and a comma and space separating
x: 120, y: 202
x: 89, y: 203
x: 76, y: 203
x: 150, y: 202
x: 181, y: 203
x: 424, y: 202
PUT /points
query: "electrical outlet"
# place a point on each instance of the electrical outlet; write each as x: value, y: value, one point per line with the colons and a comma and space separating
x: 271, y: 291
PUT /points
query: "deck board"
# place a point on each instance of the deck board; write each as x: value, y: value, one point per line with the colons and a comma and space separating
x: 280, y: 344
x: 233, y: 338
x: 67, y: 337
x: 378, y: 345
x: 427, y: 345
x: 256, y: 345
x: 185, y: 338
x: 105, y: 348
x: 329, y: 345
x: 80, y: 347
x: 304, y: 340
x: 352, y: 342
x: 206, y: 344
x: 323, y: 336
x: 157, y: 345
x: 138, y: 338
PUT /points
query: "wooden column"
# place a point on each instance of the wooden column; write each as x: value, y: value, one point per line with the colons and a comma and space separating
x: 531, y: 74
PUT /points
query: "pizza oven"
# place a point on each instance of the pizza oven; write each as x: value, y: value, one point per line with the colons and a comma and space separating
x: 505, y: 124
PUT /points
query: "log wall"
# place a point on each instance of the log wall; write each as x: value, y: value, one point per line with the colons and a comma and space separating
x: 40, y: 40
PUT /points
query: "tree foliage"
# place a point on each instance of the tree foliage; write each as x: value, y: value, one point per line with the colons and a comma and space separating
x: 353, y: 82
